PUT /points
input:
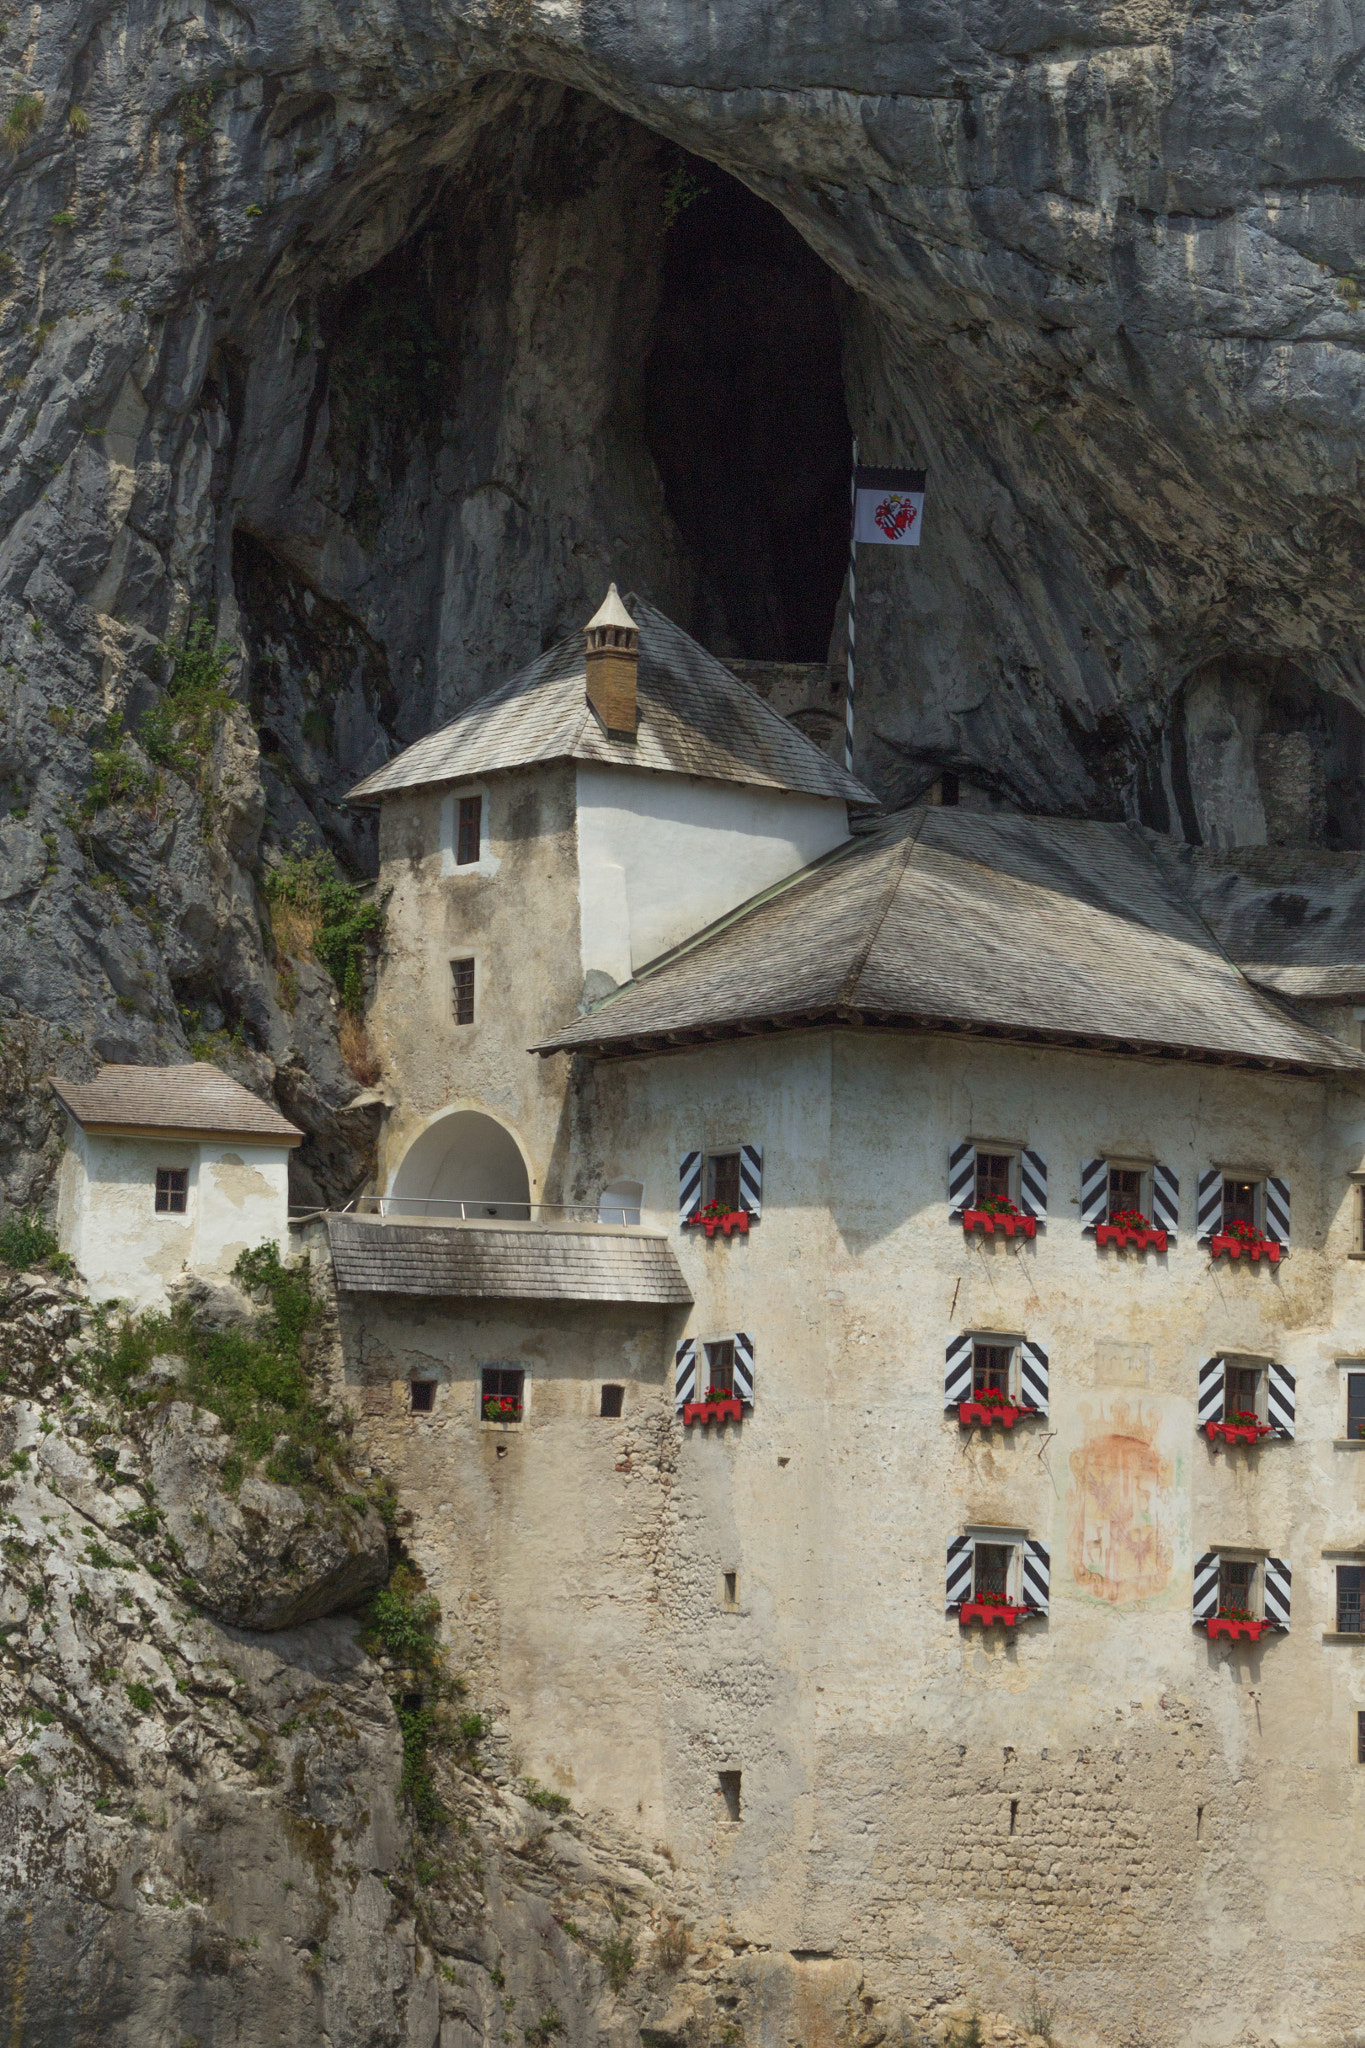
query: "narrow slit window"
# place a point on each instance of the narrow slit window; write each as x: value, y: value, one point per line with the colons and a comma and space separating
x: 462, y: 990
x: 1125, y: 1190
x: 1360, y: 1737
x: 1237, y: 1588
x: 729, y: 1792
x: 1243, y: 1394
x: 991, y: 1365
x: 1355, y: 1404
x: 611, y: 1401
x: 1350, y: 1579
x: 1241, y: 1202
x: 502, y: 1393
x: 992, y: 1570
x: 423, y: 1394
x: 1360, y: 1219
x: 172, y: 1190
x: 470, y: 827
x: 720, y: 1370
x: 722, y: 1180
x: 731, y: 1580
x: 993, y: 1176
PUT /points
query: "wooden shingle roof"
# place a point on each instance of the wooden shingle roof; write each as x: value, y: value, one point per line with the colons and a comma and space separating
x: 374, y: 1256
x: 193, y: 1101
x: 1029, y: 929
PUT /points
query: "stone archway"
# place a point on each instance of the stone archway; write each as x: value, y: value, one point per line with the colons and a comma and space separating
x: 464, y: 1166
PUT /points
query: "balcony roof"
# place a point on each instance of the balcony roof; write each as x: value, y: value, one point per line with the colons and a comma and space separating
x: 510, y: 1262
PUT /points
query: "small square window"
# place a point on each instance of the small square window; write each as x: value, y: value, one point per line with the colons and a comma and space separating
x: 470, y: 827
x: 991, y: 1365
x: 720, y: 1371
x: 992, y: 1569
x: 722, y: 1180
x: 1243, y: 1394
x: 1350, y: 1581
x: 462, y: 990
x: 1355, y: 1404
x: 423, y: 1396
x: 502, y: 1393
x: 172, y: 1190
x: 611, y: 1401
x: 1241, y: 1203
x: 1125, y: 1189
x: 1237, y: 1588
x: 993, y: 1174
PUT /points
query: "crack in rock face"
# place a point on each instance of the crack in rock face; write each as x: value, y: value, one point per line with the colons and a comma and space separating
x: 370, y: 344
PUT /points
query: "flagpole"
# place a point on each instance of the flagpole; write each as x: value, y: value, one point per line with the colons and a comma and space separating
x: 852, y: 585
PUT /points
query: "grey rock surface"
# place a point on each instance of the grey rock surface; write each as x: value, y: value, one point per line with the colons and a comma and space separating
x: 386, y: 341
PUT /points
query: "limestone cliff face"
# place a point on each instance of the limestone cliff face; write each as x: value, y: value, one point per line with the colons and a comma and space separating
x: 385, y: 339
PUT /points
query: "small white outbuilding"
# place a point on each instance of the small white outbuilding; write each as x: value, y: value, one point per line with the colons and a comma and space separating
x: 168, y: 1170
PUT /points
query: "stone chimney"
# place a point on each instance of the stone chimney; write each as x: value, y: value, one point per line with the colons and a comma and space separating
x: 613, y: 659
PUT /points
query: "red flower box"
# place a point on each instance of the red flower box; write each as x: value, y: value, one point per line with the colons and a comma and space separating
x: 1146, y: 1239
x: 987, y: 1412
x: 1237, y: 1432
x: 712, y: 1411
x: 1223, y: 1241
x: 1235, y: 1629
x: 987, y: 1611
x: 723, y: 1221
x: 988, y: 1221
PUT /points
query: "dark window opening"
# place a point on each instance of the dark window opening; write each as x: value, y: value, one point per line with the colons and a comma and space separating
x: 1240, y: 1202
x: 1014, y: 1813
x: 1242, y: 1394
x: 172, y: 1190
x: 743, y: 406
x: 1360, y: 1737
x: 993, y: 1176
x: 1237, y: 1586
x: 1125, y: 1189
x: 612, y: 1398
x: 423, y: 1394
x: 1350, y: 1580
x: 722, y: 1180
x: 949, y: 787
x: 1360, y: 1192
x: 729, y: 1792
x: 501, y: 1393
x: 462, y: 990
x: 467, y: 839
x: 1355, y: 1404
x: 991, y: 1368
x: 992, y: 1567
x: 731, y: 1588
x: 720, y: 1371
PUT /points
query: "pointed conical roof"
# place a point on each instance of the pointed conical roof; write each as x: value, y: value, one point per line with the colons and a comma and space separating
x: 611, y: 612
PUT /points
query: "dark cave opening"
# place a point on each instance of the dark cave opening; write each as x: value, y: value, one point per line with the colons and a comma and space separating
x: 745, y: 417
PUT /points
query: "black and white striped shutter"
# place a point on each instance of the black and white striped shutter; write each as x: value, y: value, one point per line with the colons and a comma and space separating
x: 1166, y: 1199
x: 1280, y: 1398
x: 1033, y: 1183
x: 685, y: 1373
x: 957, y: 1372
x: 689, y: 1186
x: 1037, y: 1575
x: 1277, y: 1209
x: 1033, y: 1375
x: 1206, y: 1569
x: 1278, y: 1578
x: 1209, y: 1209
x: 751, y: 1179
x: 959, y: 1587
x: 1212, y: 1381
x: 1094, y: 1192
x: 961, y: 1177
x: 744, y: 1367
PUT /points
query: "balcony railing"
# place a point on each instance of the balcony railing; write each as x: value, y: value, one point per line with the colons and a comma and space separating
x: 481, y: 1209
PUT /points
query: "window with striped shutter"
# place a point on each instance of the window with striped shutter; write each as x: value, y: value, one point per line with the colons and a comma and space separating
x: 961, y: 1177
x: 1280, y: 1398
x: 689, y: 1186
x: 961, y: 1556
x: 1094, y: 1192
x: 1209, y: 1207
x: 751, y: 1180
x: 957, y: 1373
x: 1276, y: 1586
x: 1033, y: 1375
x: 1037, y: 1575
x: 1206, y: 1573
x: 744, y: 1367
x: 1212, y: 1380
x: 1166, y: 1198
x: 1033, y: 1184
x: 1277, y: 1208
x: 685, y: 1373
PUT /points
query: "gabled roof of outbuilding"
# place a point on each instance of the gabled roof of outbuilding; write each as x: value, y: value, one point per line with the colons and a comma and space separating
x: 694, y: 718
x: 1028, y: 929
x: 198, y: 1100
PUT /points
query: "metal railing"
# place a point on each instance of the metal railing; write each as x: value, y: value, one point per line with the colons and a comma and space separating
x: 483, y: 1208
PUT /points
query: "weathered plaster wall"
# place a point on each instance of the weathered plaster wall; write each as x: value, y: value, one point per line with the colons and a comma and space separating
x: 1160, y: 1826
x: 237, y: 1197
x: 661, y: 856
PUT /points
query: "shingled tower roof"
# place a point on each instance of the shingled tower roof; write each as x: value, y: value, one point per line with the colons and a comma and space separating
x: 694, y: 718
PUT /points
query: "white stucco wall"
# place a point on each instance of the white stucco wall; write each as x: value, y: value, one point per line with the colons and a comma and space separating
x: 662, y: 856
x: 237, y: 1198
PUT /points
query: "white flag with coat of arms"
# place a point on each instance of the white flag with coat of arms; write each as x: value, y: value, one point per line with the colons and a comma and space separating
x: 888, y: 507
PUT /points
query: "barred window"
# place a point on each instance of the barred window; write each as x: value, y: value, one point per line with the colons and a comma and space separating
x: 462, y: 990
x: 172, y: 1190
